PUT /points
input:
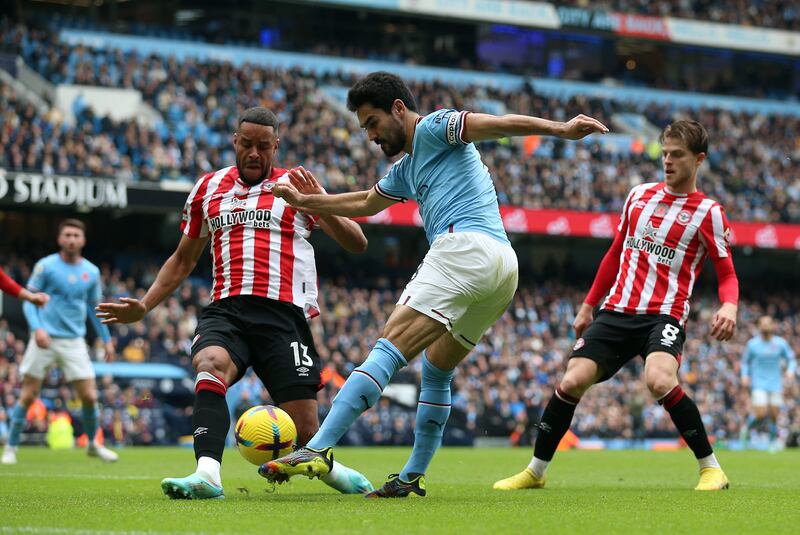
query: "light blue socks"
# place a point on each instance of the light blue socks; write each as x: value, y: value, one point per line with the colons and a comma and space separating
x: 89, y: 414
x: 432, y: 413
x: 360, y: 392
x: 18, y: 417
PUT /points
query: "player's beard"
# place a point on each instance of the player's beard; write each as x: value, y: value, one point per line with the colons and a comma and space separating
x: 394, y: 143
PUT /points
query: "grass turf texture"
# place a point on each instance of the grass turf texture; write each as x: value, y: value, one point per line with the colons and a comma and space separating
x: 587, y: 492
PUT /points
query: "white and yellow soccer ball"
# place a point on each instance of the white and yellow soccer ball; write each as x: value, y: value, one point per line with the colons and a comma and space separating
x: 264, y: 433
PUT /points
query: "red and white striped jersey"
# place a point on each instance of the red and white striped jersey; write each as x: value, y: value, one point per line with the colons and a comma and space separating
x: 259, y: 244
x: 667, y: 236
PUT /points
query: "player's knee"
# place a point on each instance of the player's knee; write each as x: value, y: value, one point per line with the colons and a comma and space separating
x: 660, y: 384
x: 89, y: 398
x: 575, y: 385
x: 211, y: 360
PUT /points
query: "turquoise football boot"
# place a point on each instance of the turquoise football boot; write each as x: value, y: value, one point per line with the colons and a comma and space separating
x: 191, y: 487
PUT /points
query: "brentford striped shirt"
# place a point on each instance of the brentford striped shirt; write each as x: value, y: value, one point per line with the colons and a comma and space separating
x: 667, y: 238
x: 259, y: 244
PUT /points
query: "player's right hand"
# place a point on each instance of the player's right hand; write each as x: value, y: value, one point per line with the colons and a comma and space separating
x: 582, y: 319
x: 42, y: 339
x: 128, y: 310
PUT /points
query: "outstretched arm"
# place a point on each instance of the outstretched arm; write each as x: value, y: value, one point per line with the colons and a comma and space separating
x: 10, y: 286
x: 356, y: 204
x: 172, y: 273
x: 481, y: 126
x: 344, y: 231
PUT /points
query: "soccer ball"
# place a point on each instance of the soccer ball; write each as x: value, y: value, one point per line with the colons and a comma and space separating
x: 264, y: 433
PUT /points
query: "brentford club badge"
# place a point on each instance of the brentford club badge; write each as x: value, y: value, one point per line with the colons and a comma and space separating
x: 579, y: 344
x: 684, y: 216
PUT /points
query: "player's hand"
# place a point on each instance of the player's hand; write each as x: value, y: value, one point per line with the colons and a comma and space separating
x: 582, y: 319
x: 305, y: 182
x: 128, y: 310
x: 39, y: 299
x: 724, y: 323
x: 111, y: 351
x: 745, y: 382
x: 581, y: 126
x: 790, y: 378
x: 42, y: 339
x: 287, y: 192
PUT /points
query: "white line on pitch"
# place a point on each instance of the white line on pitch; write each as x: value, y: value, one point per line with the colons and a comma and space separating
x: 83, y: 531
x: 77, y: 476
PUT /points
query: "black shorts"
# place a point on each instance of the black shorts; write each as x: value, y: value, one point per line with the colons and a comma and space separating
x: 270, y: 336
x: 614, y: 338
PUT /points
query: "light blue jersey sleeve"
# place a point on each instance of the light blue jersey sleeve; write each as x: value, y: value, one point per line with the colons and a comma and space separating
x: 791, y: 361
x: 36, y: 283
x: 446, y: 129
x: 394, y: 185
x: 93, y: 297
x: 747, y: 359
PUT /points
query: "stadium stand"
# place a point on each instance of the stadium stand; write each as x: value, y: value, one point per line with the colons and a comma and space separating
x: 753, y: 167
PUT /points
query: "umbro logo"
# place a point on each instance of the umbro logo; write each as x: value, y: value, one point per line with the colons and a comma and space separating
x: 302, y: 371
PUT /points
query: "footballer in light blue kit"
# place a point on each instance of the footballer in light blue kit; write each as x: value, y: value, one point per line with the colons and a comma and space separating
x: 766, y: 360
x: 464, y: 284
x: 57, y: 334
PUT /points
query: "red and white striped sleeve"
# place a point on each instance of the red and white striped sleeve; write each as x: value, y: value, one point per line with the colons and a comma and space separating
x: 193, y: 220
x: 716, y: 232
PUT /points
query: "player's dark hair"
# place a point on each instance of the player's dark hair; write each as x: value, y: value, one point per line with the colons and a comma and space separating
x: 76, y: 223
x: 693, y: 134
x: 259, y: 115
x: 380, y: 89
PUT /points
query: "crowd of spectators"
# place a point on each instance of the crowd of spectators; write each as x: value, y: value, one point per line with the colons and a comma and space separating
x: 753, y: 161
x: 499, y: 391
x: 775, y: 14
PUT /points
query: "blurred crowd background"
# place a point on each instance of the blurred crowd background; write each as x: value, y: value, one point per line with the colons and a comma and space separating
x: 499, y: 391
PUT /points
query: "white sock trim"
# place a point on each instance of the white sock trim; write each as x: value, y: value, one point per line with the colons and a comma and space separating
x: 538, y: 467
x: 708, y: 462
x: 205, y: 376
x: 210, y: 468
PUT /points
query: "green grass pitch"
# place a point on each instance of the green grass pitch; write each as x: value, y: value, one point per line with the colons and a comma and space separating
x: 64, y: 492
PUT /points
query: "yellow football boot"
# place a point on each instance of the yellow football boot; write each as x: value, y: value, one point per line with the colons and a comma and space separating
x: 524, y: 480
x: 712, y: 479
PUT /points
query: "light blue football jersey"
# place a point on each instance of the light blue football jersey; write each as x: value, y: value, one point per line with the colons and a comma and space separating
x: 447, y: 178
x: 74, y: 291
x: 762, y: 362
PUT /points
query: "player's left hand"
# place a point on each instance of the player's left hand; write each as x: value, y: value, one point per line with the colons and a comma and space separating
x: 724, y: 323
x: 581, y: 126
x: 305, y: 182
x: 111, y: 351
x: 287, y: 192
x: 130, y: 310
